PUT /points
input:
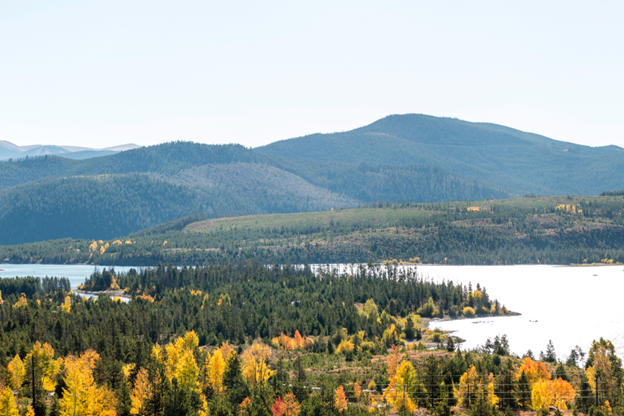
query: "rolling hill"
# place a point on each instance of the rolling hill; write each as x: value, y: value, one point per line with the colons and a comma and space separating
x: 545, y: 230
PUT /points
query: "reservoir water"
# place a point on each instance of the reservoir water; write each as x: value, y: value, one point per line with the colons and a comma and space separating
x: 568, y: 305
x: 76, y: 273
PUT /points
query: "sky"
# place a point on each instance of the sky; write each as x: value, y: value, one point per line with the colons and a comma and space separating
x: 104, y: 73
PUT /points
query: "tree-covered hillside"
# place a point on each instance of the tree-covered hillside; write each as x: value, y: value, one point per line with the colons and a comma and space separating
x: 86, y: 207
x: 514, y: 161
x: 546, y: 230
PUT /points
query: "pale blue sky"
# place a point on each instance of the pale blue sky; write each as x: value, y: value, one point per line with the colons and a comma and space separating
x: 101, y: 73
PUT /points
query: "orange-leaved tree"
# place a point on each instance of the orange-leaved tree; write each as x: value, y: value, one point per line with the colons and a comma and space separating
x: 534, y: 370
x: 340, y: 400
x: 557, y: 393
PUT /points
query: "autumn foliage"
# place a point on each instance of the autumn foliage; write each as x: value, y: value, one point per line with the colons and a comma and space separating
x: 287, y: 343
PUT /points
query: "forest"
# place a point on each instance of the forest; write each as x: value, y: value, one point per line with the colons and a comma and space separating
x: 249, y: 339
x: 529, y: 230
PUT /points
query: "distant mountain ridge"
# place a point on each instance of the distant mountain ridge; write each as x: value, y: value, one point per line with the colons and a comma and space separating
x: 401, y: 158
x: 9, y: 150
x: 499, y: 156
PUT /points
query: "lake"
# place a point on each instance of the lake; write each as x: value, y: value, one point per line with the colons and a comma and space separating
x: 76, y: 273
x: 568, y: 305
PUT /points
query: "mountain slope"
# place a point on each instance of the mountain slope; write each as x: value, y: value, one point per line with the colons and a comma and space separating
x: 514, y: 161
x: 90, y: 207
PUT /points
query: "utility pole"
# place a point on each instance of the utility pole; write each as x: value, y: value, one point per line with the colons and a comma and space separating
x: 404, y: 402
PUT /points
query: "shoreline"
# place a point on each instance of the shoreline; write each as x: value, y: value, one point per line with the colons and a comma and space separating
x: 111, y: 293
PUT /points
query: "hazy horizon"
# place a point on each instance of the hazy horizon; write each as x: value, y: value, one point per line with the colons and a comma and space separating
x: 101, y: 74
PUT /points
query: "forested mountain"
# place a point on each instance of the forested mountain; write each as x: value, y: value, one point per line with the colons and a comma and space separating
x: 410, y: 158
x: 512, y: 160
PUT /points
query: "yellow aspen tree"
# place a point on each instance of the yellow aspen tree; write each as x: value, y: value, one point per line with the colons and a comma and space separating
x: 141, y: 392
x: 468, y: 388
x: 226, y: 350
x: 128, y: 369
x: 217, y: 369
x: 187, y: 372
x: 540, y: 395
x: 255, y: 367
x: 83, y: 397
x: 17, y: 372
x: 488, y: 391
x: 46, y: 367
x: 340, y: 400
x: 405, y: 385
x: 190, y: 341
x: 66, y: 306
x: 602, y: 366
x: 29, y: 411
x: 8, y: 407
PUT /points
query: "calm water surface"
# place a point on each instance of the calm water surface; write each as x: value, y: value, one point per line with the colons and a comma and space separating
x: 568, y: 305
x: 76, y: 273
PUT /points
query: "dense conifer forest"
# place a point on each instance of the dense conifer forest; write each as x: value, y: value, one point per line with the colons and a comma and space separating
x: 248, y: 339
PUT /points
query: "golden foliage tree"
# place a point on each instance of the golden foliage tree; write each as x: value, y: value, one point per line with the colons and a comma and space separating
x: 66, y: 306
x: 7, y: 403
x: 600, y: 373
x: 557, y: 393
x: 141, y: 392
x: 46, y: 367
x: 216, y: 371
x: 226, y: 350
x: 17, y: 372
x: 287, y: 406
x: 405, y: 385
x: 187, y: 371
x: 255, y: 364
x: 83, y: 397
x: 357, y: 390
x: 472, y: 386
x: 340, y: 400
x: 534, y: 370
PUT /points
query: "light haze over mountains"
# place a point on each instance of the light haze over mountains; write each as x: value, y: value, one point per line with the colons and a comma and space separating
x: 9, y: 150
